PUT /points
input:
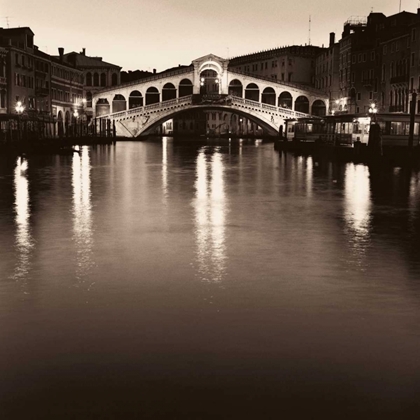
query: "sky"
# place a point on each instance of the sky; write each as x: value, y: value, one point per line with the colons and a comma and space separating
x: 159, y: 34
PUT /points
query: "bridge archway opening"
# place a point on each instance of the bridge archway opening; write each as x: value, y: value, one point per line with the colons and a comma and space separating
x: 268, y: 96
x: 285, y: 100
x: 228, y: 121
x: 185, y: 88
x: 119, y: 103
x: 252, y: 92
x: 236, y: 88
x: 102, y: 107
x: 209, y: 82
x: 319, y: 108
x: 135, y: 99
x: 168, y: 92
x: 152, y: 96
x: 302, y: 104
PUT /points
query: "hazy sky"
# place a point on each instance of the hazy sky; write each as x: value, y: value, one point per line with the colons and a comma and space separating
x: 147, y: 34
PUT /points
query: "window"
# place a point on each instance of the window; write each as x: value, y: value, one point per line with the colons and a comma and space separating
x: 359, y: 58
x: 372, y: 56
x: 413, y: 34
x: 413, y: 59
x: 364, y: 57
x: 353, y: 58
x: 359, y: 96
x: 384, y: 50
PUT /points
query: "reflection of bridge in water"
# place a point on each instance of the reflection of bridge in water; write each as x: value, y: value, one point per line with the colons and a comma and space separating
x: 138, y: 107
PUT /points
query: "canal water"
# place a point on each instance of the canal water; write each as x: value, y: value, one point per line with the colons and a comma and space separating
x: 218, y: 280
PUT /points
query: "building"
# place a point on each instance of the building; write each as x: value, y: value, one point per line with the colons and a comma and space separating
x: 97, y: 74
x: 327, y: 72
x: 288, y: 64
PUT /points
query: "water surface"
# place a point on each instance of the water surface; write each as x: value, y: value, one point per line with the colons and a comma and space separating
x: 214, y: 280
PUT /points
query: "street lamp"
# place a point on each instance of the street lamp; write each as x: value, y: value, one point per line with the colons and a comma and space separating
x: 373, y: 110
x: 19, y: 107
x: 19, y: 110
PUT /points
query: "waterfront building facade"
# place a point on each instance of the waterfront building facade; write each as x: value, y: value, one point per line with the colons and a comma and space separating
x: 97, y: 74
x: 294, y: 64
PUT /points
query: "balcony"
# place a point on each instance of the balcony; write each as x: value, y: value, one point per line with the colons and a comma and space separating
x: 3, y: 81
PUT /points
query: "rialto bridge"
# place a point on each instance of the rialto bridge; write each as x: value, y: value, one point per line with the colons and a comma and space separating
x: 138, y: 107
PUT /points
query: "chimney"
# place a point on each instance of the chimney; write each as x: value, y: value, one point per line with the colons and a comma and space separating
x: 84, y: 51
x: 154, y: 71
x: 61, y: 52
x: 332, y: 39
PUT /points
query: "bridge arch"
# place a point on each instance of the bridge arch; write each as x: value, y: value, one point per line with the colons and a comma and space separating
x: 236, y: 88
x: 119, y: 103
x: 252, y: 92
x: 285, y: 100
x: 135, y: 99
x: 268, y: 96
x: 102, y: 107
x: 302, y: 104
x: 185, y: 88
x: 211, y: 65
x: 319, y: 108
x: 152, y: 95
x: 168, y: 92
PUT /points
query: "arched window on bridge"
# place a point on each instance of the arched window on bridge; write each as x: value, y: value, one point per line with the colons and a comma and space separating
x: 235, y: 88
x: 89, y: 99
x: 168, y: 92
x: 119, y: 103
x: 302, y: 104
x: 268, y: 96
x: 89, y: 79
x: 152, y: 96
x: 285, y: 100
x: 135, y: 99
x: 319, y: 108
x: 252, y: 92
x: 102, y: 107
x: 209, y: 82
x: 185, y: 88
x: 96, y: 79
x: 114, y: 79
x: 103, y: 79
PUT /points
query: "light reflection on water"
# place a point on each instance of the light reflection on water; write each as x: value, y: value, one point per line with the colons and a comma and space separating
x: 210, y: 209
x: 82, y: 213
x: 24, y: 241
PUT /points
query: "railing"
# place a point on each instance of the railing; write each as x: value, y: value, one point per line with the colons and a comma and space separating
x: 189, y: 100
x: 151, y: 107
x: 156, y: 76
x: 255, y: 104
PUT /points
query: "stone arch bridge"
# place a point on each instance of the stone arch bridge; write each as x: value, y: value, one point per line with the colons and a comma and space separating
x: 138, y: 107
